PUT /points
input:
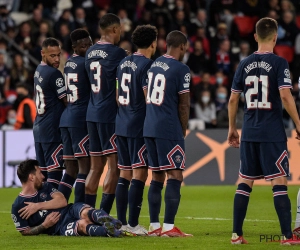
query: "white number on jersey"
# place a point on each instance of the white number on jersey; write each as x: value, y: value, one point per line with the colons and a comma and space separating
x: 40, y: 100
x: 96, y: 87
x: 69, y: 230
x: 71, y: 97
x: 158, y: 92
x: 253, y: 83
x: 125, y: 100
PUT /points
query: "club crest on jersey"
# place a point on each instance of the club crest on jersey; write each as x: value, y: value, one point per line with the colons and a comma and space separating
x: 177, y: 158
x: 43, y: 196
x: 287, y: 73
x: 59, y: 82
x: 187, y: 77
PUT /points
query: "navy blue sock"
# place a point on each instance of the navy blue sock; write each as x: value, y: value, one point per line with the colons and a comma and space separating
x: 282, y: 205
x: 66, y: 185
x: 95, y: 230
x: 90, y: 199
x: 95, y: 214
x: 107, y: 202
x: 241, y: 200
x: 80, y: 188
x: 154, y: 200
x: 172, y: 200
x: 54, y: 177
x: 135, y: 199
x: 122, y: 199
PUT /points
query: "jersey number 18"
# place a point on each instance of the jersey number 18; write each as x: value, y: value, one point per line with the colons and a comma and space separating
x: 157, y: 95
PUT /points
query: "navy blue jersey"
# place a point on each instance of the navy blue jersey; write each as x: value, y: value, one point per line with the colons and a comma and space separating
x: 101, y: 62
x: 168, y: 78
x: 49, y: 88
x: 78, y: 93
x: 132, y: 79
x: 260, y: 77
x: 42, y: 195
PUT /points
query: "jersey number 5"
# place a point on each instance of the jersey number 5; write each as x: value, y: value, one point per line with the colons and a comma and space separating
x: 253, y: 82
x: 124, y: 100
x: 158, y: 92
x: 71, y: 97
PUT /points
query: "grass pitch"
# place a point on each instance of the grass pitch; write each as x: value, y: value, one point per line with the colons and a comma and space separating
x: 205, y: 212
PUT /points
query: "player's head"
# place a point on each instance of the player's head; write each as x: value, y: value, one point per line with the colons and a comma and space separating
x: 177, y: 40
x: 81, y: 41
x: 266, y: 30
x: 144, y: 37
x: 29, y: 171
x: 110, y: 26
x: 51, y: 52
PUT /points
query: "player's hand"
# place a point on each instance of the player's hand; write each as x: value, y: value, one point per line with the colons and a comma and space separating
x: 51, y: 219
x: 233, y: 138
x: 298, y: 132
x: 28, y: 210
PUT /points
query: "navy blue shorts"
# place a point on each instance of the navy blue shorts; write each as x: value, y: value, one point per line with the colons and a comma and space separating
x: 70, y: 217
x: 102, y: 138
x: 267, y: 160
x: 49, y: 155
x: 75, y: 142
x: 165, y: 154
x: 132, y: 153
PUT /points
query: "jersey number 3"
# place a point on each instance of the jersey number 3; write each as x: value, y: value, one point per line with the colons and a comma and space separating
x: 252, y: 83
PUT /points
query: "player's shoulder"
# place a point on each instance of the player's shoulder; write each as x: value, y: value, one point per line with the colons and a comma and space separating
x: 74, y: 61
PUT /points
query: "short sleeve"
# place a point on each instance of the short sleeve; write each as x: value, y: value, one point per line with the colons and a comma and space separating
x: 50, y: 189
x: 19, y: 223
x: 283, y: 75
x: 184, y: 80
x: 144, y: 75
x: 57, y: 83
x: 237, y: 83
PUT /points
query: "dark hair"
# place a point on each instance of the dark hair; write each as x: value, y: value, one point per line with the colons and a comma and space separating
x: 108, y: 20
x: 50, y: 41
x: 175, y: 39
x: 22, y: 85
x: 78, y: 34
x: 144, y: 35
x: 26, y: 168
x: 266, y: 27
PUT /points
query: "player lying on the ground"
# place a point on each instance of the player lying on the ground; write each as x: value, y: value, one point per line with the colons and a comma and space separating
x: 40, y: 208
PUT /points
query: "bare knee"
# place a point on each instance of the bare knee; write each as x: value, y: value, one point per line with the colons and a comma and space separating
x: 175, y: 174
x: 140, y: 174
x: 158, y: 176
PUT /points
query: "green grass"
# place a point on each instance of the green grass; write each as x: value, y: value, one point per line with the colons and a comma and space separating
x: 205, y: 211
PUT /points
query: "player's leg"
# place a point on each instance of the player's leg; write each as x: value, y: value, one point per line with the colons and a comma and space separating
x: 155, y: 189
x: 97, y: 165
x: 297, y: 222
x: 124, y: 164
x: 139, y: 162
x: 109, y: 150
x: 41, y: 159
x: 71, y: 165
x: 84, y: 165
x: 53, y: 153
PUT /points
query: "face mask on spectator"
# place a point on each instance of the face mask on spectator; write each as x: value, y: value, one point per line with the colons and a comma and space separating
x: 11, y: 121
x: 221, y: 97
x: 205, y: 99
x: 219, y: 80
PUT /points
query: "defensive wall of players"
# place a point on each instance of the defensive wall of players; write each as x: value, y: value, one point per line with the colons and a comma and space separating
x: 209, y: 159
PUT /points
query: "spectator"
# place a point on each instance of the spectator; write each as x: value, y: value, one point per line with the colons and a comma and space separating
x: 4, y: 76
x: 43, y: 31
x: 200, y: 21
x: 287, y: 29
x: 201, y: 36
x: 243, y: 53
x: 10, y: 120
x: 5, y: 20
x: 36, y: 20
x: 79, y: 21
x: 139, y: 10
x: 126, y: 45
x: 221, y: 98
x: 24, y: 36
x: 221, y: 35
x: 205, y: 109
x: 64, y: 37
x: 197, y: 60
x: 18, y: 72
x: 223, y: 57
x: 221, y: 79
x: 180, y: 20
x: 204, y: 85
x: 65, y: 18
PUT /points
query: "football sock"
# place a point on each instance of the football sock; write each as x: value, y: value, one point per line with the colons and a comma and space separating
x: 282, y: 205
x: 154, y: 200
x: 107, y: 202
x: 80, y: 188
x: 297, y: 223
x: 172, y: 200
x: 90, y: 199
x: 95, y: 214
x: 135, y: 199
x: 167, y: 227
x: 66, y: 185
x: 95, y: 230
x: 54, y: 177
x: 154, y: 226
x: 122, y: 199
x: 240, y: 205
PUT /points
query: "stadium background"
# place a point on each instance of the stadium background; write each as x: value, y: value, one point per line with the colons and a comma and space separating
x: 220, y: 34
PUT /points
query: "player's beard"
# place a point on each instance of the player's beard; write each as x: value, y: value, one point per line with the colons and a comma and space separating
x: 38, y: 185
x: 53, y: 65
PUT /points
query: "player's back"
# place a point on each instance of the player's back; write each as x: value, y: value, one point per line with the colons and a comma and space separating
x: 49, y: 89
x: 101, y: 62
x: 78, y: 92
x: 260, y: 77
x: 168, y: 78
x: 132, y: 79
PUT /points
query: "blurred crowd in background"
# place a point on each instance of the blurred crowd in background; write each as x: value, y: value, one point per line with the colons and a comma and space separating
x: 220, y: 35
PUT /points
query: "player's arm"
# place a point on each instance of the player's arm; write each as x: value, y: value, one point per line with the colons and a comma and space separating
x: 27, y: 117
x: 50, y: 220
x: 184, y: 111
x: 233, y: 136
x: 58, y: 201
x: 64, y: 100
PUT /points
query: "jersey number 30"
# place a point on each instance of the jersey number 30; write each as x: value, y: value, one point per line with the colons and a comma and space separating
x: 252, y: 83
x: 158, y: 92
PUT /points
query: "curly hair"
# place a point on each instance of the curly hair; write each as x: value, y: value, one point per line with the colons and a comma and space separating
x: 144, y: 35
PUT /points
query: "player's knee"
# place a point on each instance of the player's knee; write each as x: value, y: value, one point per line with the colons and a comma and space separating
x: 82, y: 224
x: 175, y: 174
x: 140, y: 174
x: 158, y: 176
